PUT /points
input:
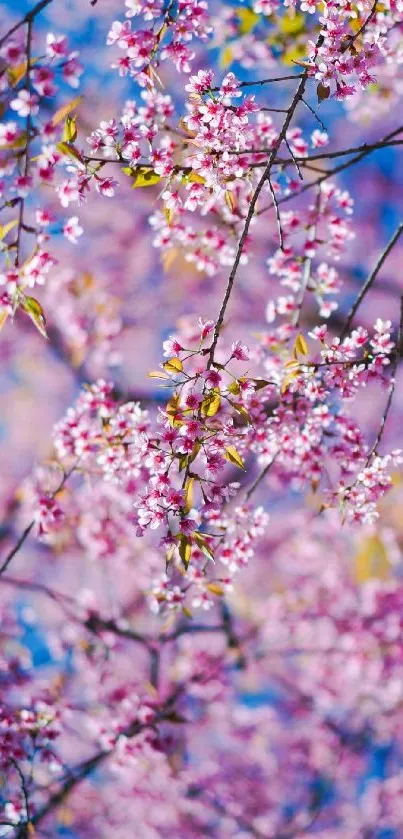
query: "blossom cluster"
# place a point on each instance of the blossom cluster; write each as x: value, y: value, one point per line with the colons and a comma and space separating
x: 205, y: 637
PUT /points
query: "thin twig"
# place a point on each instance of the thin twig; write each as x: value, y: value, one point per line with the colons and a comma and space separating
x: 317, y: 117
x: 374, y: 448
x: 20, y: 541
x: 277, y: 211
x: 260, y: 477
x: 260, y: 82
x: 371, y: 279
x: 307, y: 262
x: 337, y: 169
x: 264, y: 178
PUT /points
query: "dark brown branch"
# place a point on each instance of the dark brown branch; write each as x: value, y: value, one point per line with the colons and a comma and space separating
x: 364, y: 25
x: 29, y: 17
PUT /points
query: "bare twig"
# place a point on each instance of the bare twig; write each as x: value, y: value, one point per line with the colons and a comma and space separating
x: 371, y: 279
x: 260, y: 477
x: 392, y: 386
x: 261, y: 82
x: 264, y: 178
x: 307, y: 262
x: 24, y: 535
x: 317, y: 117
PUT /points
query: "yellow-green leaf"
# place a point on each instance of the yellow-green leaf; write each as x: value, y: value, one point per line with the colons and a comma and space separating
x: 288, y: 378
x: 230, y: 200
x: 185, y: 549
x: 195, y: 451
x: 300, y: 345
x: 248, y: 20
x: 70, y: 130
x: 242, y: 411
x: 173, y: 365
x: 234, y: 388
x: 18, y: 143
x: 294, y: 55
x: 17, y: 73
x: 69, y: 150
x: 232, y: 455
x: 34, y: 310
x: 371, y: 561
x: 203, y: 544
x: 215, y: 589
x: 145, y: 176
x: 211, y: 403
x: 189, y: 494
x: 226, y: 57
x: 195, y: 178
x: 157, y: 374
x: 5, y: 228
x: 292, y: 24
x: 3, y: 318
x: 65, y: 110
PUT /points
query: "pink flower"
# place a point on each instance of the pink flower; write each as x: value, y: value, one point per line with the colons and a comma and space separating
x: 26, y: 104
x: 172, y: 346
x: 319, y: 139
x: 106, y: 186
x: 68, y: 191
x: 206, y: 327
x: 200, y: 83
x: 8, y: 133
x: 42, y: 80
x: 212, y: 377
x: 72, y: 229
x: 239, y: 351
x: 56, y: 45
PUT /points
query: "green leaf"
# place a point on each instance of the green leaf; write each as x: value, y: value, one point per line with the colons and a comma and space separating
x: 129, y: 170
